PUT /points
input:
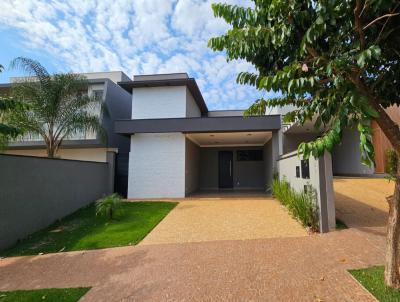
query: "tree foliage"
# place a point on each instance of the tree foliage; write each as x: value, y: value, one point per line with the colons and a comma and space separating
x: 7, y: 131
x: 57, y: 106
x: 335, y: 61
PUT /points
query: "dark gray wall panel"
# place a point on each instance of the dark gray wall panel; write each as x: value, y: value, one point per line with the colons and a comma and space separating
x: 246, y: 174
x: 35, y: 192
x: 198, y: 125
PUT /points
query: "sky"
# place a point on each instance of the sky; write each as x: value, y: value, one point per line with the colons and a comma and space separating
x: 134, y: 36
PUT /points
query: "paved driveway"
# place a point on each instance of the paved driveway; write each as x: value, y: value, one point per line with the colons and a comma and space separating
x: 361, y: 202
x: 228, y: 218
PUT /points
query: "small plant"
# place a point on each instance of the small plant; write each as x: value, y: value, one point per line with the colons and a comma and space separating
x: 108, y: 206
x: 301, y: 205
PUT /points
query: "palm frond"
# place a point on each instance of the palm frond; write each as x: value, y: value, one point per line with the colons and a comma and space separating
x: 59, y: 108
x: 32, y: 67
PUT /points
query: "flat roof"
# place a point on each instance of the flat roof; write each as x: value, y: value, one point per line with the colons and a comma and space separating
x: 190, y: 83
x: 199, y: 124
x: 160, y: 76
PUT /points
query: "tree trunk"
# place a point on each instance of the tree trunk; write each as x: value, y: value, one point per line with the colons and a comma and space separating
x: 50, y: 152
x: 392, y: 132
x: 392, y: 274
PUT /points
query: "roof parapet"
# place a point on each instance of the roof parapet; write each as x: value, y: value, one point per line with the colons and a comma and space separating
x: 161, y: 77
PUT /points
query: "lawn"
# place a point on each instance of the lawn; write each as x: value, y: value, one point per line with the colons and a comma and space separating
x: 372, y: 279
x: 49, y: 295
x: 83, y: 230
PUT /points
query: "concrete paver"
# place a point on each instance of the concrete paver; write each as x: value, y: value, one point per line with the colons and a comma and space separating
x: 309, y: 268
x: 208, y: 219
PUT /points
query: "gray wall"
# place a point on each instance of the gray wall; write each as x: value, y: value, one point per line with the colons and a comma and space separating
x: 35, y: 192
x: 119, y: 104
x: 192, y: 167
x: 321, y: 179
x: 268, y: 165
x: 291, y: 141
x: 246, y: 174
x: 346, y: 157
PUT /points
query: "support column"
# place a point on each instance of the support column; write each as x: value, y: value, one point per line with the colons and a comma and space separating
x: 276, y: 149
x: 111, y: 155
x: 327, y: 219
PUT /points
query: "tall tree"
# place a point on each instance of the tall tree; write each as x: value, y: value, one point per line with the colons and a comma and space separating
x: 335, y: 61
x: 58, y: 106
x: 7, y: 131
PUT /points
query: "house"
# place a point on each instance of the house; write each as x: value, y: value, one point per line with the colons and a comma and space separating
x: 175, y: 145
x: 178, y: 146
x: 88, y: 146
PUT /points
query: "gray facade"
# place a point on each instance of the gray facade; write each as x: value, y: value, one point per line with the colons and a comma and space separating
x: 36, y: 192
x: 346, y: 157
x: 192, y: 167
x: 247, y: 175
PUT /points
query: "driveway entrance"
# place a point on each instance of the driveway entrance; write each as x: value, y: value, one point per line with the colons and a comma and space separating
x: 361, y: 202
x: 225, y: 218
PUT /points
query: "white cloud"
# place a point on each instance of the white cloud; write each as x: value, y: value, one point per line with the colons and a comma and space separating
x: 139, y: 36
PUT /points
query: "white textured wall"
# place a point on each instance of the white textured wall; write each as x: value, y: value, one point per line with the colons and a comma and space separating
x: 287, y: 170
x: 158, y: 102
x: 157, y: 166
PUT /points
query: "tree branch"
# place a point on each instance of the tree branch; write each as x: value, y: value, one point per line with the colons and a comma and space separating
x: 387, y: 125
x: 358, y: 24
x: 386, y: 22
x: 380, y: 18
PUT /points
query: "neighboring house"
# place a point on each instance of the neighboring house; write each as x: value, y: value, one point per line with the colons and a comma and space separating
x: 88, y: 146
x: 179, y: 147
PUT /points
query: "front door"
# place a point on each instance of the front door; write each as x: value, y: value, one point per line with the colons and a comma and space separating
x: 225, y: 175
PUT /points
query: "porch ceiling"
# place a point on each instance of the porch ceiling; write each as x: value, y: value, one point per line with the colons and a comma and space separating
x: 229, y: 139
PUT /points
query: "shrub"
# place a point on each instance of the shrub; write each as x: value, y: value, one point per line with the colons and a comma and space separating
x: 108, y: 206
x: 301, y: 205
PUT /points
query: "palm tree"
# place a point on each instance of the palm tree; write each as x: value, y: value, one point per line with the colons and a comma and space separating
x: 57, y: 106
x: 6, y: 131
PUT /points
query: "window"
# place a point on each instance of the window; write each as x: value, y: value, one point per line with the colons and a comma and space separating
x: 305, y: 169
x: 297, y: 171
x: 249, y: 155
x: 97, y: 94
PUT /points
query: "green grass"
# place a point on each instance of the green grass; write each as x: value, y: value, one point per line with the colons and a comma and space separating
x: 340, y: 225
x: 83, y: 230
x: 372, y: 279
x: 43, y: 295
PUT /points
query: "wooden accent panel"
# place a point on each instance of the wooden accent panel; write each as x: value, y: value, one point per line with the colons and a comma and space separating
x: 380, y: 141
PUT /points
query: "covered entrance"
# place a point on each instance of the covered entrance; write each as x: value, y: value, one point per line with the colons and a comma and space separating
x: 228, y: 162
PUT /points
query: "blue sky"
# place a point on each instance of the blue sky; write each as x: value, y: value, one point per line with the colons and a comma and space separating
x: 135, y: 36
